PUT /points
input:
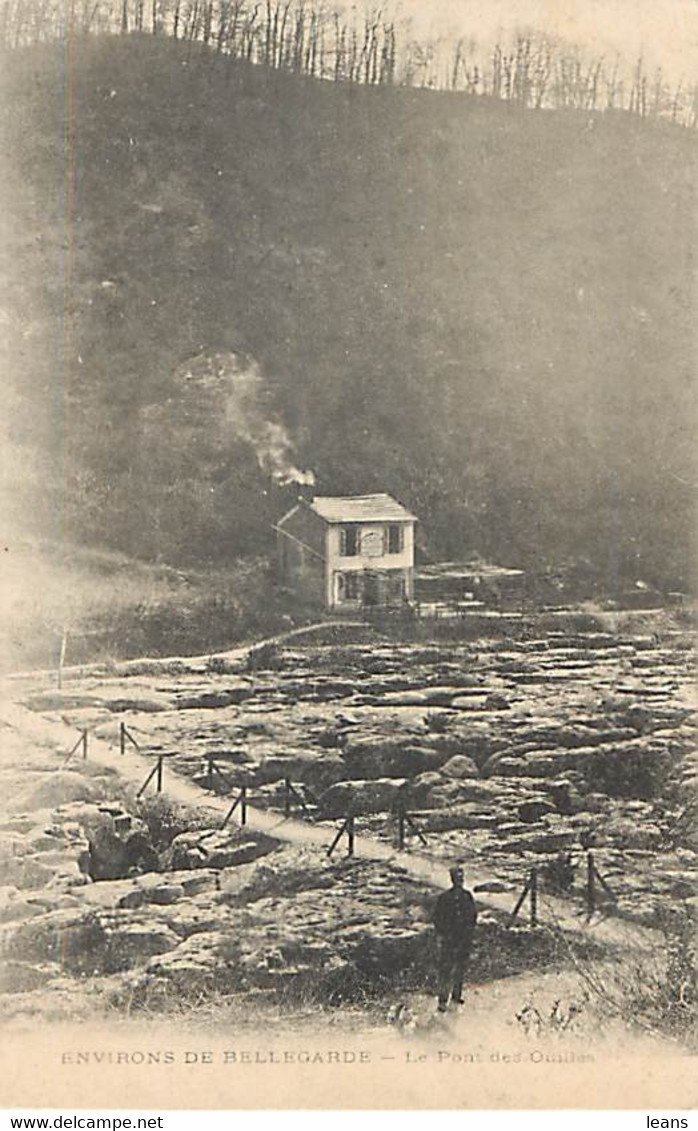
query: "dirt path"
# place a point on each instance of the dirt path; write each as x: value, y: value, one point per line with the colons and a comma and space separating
x: 133, y: 767
x: 201, y: 663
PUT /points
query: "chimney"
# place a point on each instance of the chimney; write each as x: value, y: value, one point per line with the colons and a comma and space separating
x: 306, y: 493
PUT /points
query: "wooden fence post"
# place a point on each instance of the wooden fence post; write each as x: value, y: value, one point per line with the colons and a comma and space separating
x: 287, y: 797
x: 147, y: 781
x: 84, y: 745
x: 126, y: 736
x: 159, y: 775
x: 415, y: 829
x: 534, y: 897
x: 338, y: 836
x: 591, y: 885
x: 240, y: 800
x: 401, y: 826
x: 61, y: 657
x: 520, y: 901
x: 347, y: 827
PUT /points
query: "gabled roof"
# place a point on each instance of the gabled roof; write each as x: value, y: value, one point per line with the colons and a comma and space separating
x: 360, y: 508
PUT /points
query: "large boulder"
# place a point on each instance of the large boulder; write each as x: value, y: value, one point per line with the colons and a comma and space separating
x: 187, y: 850
x: 317, y: 769
x: 114, y: 893
x: 205, y: 880
x: 480, y: 743
x: 291, y: 963
x: 455, y: 791
x: 460, y: 766
x: 217, y: 848
x: 465, y: 815
x: 73, y: 937
x: 472, y: 702
x: 535, y: 807
x: 564, y: 795
x: 204, y: 962
x: 546, y: 765
x: 17, y: 905
x: 27, y: 872
x: 384, y: 945
x: 227, y: 962
x: 111, y: 857
x: 395, y: 758
x: 491, y: 791
x: 130, y: 942
x: 366, y: 749
x: 162, y: 890
x: 377, y: 796
x: 283, y: 874
x: 436, y: 791
x: 421, y: 787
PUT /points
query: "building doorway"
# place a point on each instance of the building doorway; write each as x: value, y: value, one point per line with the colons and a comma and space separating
x: 371, y: 589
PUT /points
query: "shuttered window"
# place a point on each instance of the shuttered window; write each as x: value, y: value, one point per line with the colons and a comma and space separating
x: 352, y: 586
x: 394, y: 539
x: 349, y: 541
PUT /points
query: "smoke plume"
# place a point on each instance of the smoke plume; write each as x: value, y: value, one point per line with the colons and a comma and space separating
x: 236, y: 381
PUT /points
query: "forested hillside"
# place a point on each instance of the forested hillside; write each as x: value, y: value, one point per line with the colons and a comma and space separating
x: 213, y: 270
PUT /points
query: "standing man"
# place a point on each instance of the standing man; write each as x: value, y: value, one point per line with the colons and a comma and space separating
x: 454, y: 918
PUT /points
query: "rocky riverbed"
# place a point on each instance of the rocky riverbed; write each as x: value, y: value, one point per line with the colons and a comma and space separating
x: 506, y: 753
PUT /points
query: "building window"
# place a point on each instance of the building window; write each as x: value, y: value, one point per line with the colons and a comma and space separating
x: 349, y: 541
x: 394, y: 540
x: 352, y: 587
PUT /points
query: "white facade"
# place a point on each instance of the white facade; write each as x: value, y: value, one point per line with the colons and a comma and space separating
x: 373, y: 554
x: 349, y: 552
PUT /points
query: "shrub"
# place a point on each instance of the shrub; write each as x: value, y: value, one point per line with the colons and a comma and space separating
x: 657, y: 991
x: 555, y: 1019
x: 264, y: 657
x: 438, y: 722
x: 642, y: 773
x: 166, y: 819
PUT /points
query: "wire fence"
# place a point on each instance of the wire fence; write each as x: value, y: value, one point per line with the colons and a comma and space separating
x: 598, y: 894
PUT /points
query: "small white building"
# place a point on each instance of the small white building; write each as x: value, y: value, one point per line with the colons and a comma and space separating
x: 348, y: 552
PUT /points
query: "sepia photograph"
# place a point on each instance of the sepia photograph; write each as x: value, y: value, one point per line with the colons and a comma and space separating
x: 348, y: 470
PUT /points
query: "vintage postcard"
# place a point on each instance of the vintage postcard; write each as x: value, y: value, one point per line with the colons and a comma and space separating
x: 347, y: 581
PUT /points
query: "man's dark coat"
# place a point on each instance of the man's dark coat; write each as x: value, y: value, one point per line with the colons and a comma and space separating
x: 454, y: 917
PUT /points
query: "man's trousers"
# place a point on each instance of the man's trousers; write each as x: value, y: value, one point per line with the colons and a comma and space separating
x: 452, y: 961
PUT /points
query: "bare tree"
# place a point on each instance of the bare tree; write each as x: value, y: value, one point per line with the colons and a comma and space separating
x: 457, y: 63
x: 302, y: 35
x: 692, y: 120
x: 340, y: 46
x: 387, y: 72
x: 207, y: 21
x: 250, y: 33
x: 497, y: 71
x: 541, y: 77
x: 677, y: 101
